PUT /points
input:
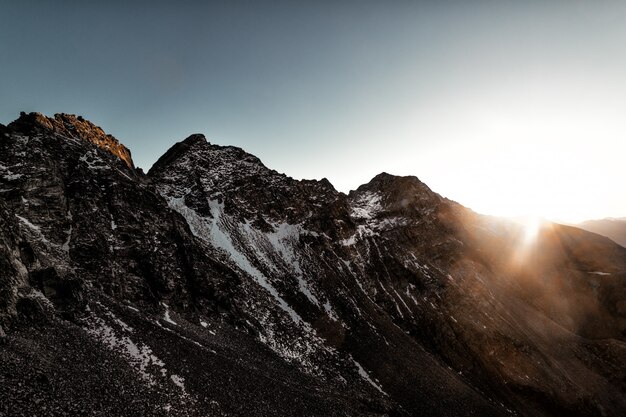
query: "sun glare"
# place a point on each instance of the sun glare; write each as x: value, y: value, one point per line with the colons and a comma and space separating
x: 532, y: 226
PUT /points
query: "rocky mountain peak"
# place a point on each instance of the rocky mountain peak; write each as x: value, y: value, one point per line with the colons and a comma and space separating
x: 202, y: 174
x: 195, y: 149
x: 398, y: 193
x: 177, y: 151
x: 196, y: 138
x: 31, y: 121
x: 71, y: 126
x: 385, y: 180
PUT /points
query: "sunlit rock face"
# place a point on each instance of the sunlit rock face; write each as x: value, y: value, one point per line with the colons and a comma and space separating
x: 217, y: 286
x: 74, y: 127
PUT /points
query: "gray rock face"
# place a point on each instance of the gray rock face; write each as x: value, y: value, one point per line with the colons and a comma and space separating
x: 214, y: 285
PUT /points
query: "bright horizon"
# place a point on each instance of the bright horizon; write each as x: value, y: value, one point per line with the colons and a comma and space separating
x: 509, y: 109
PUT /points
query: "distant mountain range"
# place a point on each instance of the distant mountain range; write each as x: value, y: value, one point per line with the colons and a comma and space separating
x: 215, y: 286
x: 613, y: 228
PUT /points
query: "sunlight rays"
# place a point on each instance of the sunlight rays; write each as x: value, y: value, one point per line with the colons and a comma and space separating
x: 530, y: 228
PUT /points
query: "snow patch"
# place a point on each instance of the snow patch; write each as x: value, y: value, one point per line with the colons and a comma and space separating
x: 366, y: 206
x: 366, y: 377
x: 329, y: 310
x: 214, y: 231
x: 66, y: 244
x: 179, y: 381
x: 166, y: 315
x: 33, y: 227
x: 28, y: 223
x: 283, y: 239
x: 93, y: 161
x: 362, y: 231
x: 140, y: 357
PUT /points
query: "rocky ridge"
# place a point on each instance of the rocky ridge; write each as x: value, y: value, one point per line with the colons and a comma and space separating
x: 75, y: 127
x: 214, y: 285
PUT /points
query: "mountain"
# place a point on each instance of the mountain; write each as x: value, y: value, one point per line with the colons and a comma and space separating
x: 213, y: 285
x: 614, y: 229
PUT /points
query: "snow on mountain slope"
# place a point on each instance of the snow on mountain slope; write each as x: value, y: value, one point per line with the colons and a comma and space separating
x: 392, y: 247
x: 217, y: 286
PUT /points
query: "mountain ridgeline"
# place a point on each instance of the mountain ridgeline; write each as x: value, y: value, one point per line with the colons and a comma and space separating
x: 214, y: 286
x: 615, y: 229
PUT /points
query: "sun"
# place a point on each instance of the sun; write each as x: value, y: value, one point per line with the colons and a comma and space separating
x: 531, y: 227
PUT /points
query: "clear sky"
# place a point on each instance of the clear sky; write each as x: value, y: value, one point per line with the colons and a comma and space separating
x: 508, y: 107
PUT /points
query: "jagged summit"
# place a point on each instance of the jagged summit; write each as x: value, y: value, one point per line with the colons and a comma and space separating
x: 196, y: 138
x: 196, y: 149
x: 177, y: 150
x: 384, y: 177
x: 398, y: 193
x: 71, y: 126
x: 195, y: 170
x: 386, y: 180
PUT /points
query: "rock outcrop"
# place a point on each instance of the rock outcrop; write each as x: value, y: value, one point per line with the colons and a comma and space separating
x: 75, y: 127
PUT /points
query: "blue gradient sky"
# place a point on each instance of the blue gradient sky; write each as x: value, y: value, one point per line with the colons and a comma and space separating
x: 509, y: 107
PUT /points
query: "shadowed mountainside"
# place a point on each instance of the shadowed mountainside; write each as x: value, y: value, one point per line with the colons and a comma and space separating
x: 216, y: 286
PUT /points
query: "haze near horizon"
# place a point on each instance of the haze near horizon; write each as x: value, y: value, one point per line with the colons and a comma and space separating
x: 510, y: 109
